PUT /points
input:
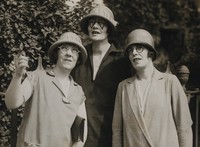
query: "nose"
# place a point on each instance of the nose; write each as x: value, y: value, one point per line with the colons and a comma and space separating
x: 67, y: 52
x: 96, y: 25
x: 134, y: 52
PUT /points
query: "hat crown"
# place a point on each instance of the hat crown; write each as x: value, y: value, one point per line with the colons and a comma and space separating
x: 70, y: 36
x: 140, y: 36
x: 105, y: 12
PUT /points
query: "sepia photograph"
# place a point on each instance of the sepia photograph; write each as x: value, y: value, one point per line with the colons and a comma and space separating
x: 100, y: 73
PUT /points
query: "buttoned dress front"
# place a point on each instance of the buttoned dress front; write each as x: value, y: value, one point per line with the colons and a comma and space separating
x: 100, y: 93
x: 166, y: 119
x: 49, y: 113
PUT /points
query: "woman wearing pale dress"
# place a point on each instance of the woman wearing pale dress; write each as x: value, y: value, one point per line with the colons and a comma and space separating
x: 52, y: 98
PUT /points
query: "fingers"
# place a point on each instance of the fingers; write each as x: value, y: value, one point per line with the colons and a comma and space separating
x: 12, y: 66
x: 21, y: 63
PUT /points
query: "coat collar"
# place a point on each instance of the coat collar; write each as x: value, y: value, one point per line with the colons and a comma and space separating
x: 111, y: 50
x: 73, y: 85
x: 157, y: 75
x: 51, y: 72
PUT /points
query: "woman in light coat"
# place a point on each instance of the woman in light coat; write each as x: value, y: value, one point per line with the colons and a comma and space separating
x: 151, y: 108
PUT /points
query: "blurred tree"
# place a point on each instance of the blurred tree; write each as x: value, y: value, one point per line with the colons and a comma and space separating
x: 181, y: 21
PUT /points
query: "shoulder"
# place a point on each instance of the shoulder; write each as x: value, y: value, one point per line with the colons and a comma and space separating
x: 117, y: 51
x: 31, y: 74
x: 79, y: 89
x: 169, y: 76
x: 163, y: 76
x: 88, y: 46
x: 127, y: 81
x: 36, y: 72
x: 35, y: 75
x: 170, y: 79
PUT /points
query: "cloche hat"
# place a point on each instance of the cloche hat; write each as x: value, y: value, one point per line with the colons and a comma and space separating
x: 140, y: 36
x: 103, y: 12
x: 72, y: 38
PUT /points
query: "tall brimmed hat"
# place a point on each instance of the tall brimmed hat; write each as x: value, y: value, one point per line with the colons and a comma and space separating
x: 103, y: 12
x: 72, y: 38
x: 140, y: 36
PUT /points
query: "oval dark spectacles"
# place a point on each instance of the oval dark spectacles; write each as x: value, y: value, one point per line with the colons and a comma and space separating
x: 100, y: 22
x: 138, y: 48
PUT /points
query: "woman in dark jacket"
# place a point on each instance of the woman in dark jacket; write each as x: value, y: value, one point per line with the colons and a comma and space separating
x: 100, y: 75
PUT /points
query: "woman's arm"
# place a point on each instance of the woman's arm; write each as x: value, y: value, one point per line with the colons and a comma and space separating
x: 17, y: 92
x: 117, y: 123
x: 181, y: 114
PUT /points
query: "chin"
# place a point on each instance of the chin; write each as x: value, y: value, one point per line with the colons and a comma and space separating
x: 96, y: 38
x: 137, y: 67
x: 68, y: 67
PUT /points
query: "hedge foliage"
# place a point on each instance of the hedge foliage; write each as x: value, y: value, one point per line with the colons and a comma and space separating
x: 168, y: 15
x: 154, y: 15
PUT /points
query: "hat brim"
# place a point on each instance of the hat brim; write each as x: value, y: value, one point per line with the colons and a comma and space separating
x: 84, y: 24
x: 81, y: 47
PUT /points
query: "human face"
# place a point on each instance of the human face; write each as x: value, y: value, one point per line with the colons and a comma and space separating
x: 97, y: 29
x: 67, y: 56
x: 138, y: 55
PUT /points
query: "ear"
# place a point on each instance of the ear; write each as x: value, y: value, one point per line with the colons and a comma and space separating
x: 151, y: 54
x: 79, y: 60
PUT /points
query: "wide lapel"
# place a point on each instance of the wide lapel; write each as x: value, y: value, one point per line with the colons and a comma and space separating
x: 152, y: 96
x: 90, y: 52
x: 57, y: 84
x: 72, y: 87
x: 132, y: 96
x: 90, y: 60
x: 105, y: 60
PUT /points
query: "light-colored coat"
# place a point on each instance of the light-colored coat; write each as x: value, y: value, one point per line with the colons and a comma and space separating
x: 166, y: 121
x: 49, y: 113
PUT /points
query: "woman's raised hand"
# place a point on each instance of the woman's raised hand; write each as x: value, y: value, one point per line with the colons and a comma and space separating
x: 21, y: 63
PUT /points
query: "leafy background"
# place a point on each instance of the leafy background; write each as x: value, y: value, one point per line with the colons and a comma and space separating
x: 175, y: 25
x: 33, y: 25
